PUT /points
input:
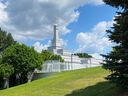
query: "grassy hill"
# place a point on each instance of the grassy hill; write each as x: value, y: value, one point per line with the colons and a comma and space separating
x: 82, y: 82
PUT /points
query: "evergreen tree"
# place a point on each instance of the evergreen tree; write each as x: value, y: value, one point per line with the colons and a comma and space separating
x: 117, y: 60
x: 6, y: 40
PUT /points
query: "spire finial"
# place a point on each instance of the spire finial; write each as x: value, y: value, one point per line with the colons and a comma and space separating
x: 56, y: 19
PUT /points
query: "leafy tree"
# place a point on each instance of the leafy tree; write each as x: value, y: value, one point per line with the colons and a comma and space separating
x: 57, y: 57
x: 47, y: 55
x: 83, y: 55
x: 117, y: 60
x: 24, y: 60
x: 5, y: 72
x: 6, y: 40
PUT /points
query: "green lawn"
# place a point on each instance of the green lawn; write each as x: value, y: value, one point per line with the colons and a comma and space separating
x: 82, y: 82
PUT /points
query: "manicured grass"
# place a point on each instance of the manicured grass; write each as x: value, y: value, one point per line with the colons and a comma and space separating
x: 82, y: 82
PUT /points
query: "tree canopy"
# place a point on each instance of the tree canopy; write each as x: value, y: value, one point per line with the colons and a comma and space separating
x: 47, y: 55
x: 24, y: 60
x: 6, y: 70
x: 83, y: 55
x: 6, y: 40
x: 117, y: 60
x: 117, y: 3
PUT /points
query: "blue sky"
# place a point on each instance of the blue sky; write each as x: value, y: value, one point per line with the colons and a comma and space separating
x: 82, y: 23
x: 87, y: 20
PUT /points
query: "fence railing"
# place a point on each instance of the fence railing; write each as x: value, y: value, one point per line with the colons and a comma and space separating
x: 56, y: 66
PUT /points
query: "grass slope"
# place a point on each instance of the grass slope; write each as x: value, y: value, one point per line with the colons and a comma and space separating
x: 82, y: 82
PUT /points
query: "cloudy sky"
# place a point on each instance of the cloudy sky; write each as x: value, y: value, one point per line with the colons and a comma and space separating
x: 82, y: 23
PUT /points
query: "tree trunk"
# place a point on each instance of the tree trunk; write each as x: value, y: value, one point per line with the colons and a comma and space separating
x: 6, y: 83
x: 30, y: 76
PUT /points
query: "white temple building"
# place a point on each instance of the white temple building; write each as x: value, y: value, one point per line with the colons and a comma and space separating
x: 56, y: 48
x: 71, y: 62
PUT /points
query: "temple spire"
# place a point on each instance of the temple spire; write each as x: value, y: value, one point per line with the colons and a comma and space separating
x: 56, y: 20
x: 56, y: 40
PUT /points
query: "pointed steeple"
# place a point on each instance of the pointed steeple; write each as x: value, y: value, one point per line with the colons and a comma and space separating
x: 56, y: 40
x: 56, y: 20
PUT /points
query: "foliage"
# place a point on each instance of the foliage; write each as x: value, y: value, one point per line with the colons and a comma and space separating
x: 83, y: 55
x: 117, y: 60
x: 82, y: 82
x: 24, y: 60
x: 6, y: 70
x: 117, y: 3
x: 47, y: 55
x: 57, y: 57
x: 0, y: 60
x: 6, y: 40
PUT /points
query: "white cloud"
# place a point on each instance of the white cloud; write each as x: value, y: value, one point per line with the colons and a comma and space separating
x: 33, y: 19
x: 39, y: 47
x: 3, y: 15
x: 63, y: 42
x: 94, y: 42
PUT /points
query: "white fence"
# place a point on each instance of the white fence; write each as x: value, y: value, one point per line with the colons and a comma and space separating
x: 56, y: 66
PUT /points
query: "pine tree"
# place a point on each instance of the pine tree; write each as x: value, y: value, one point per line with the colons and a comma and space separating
x: 6, y: 40
x: 117, y: 60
